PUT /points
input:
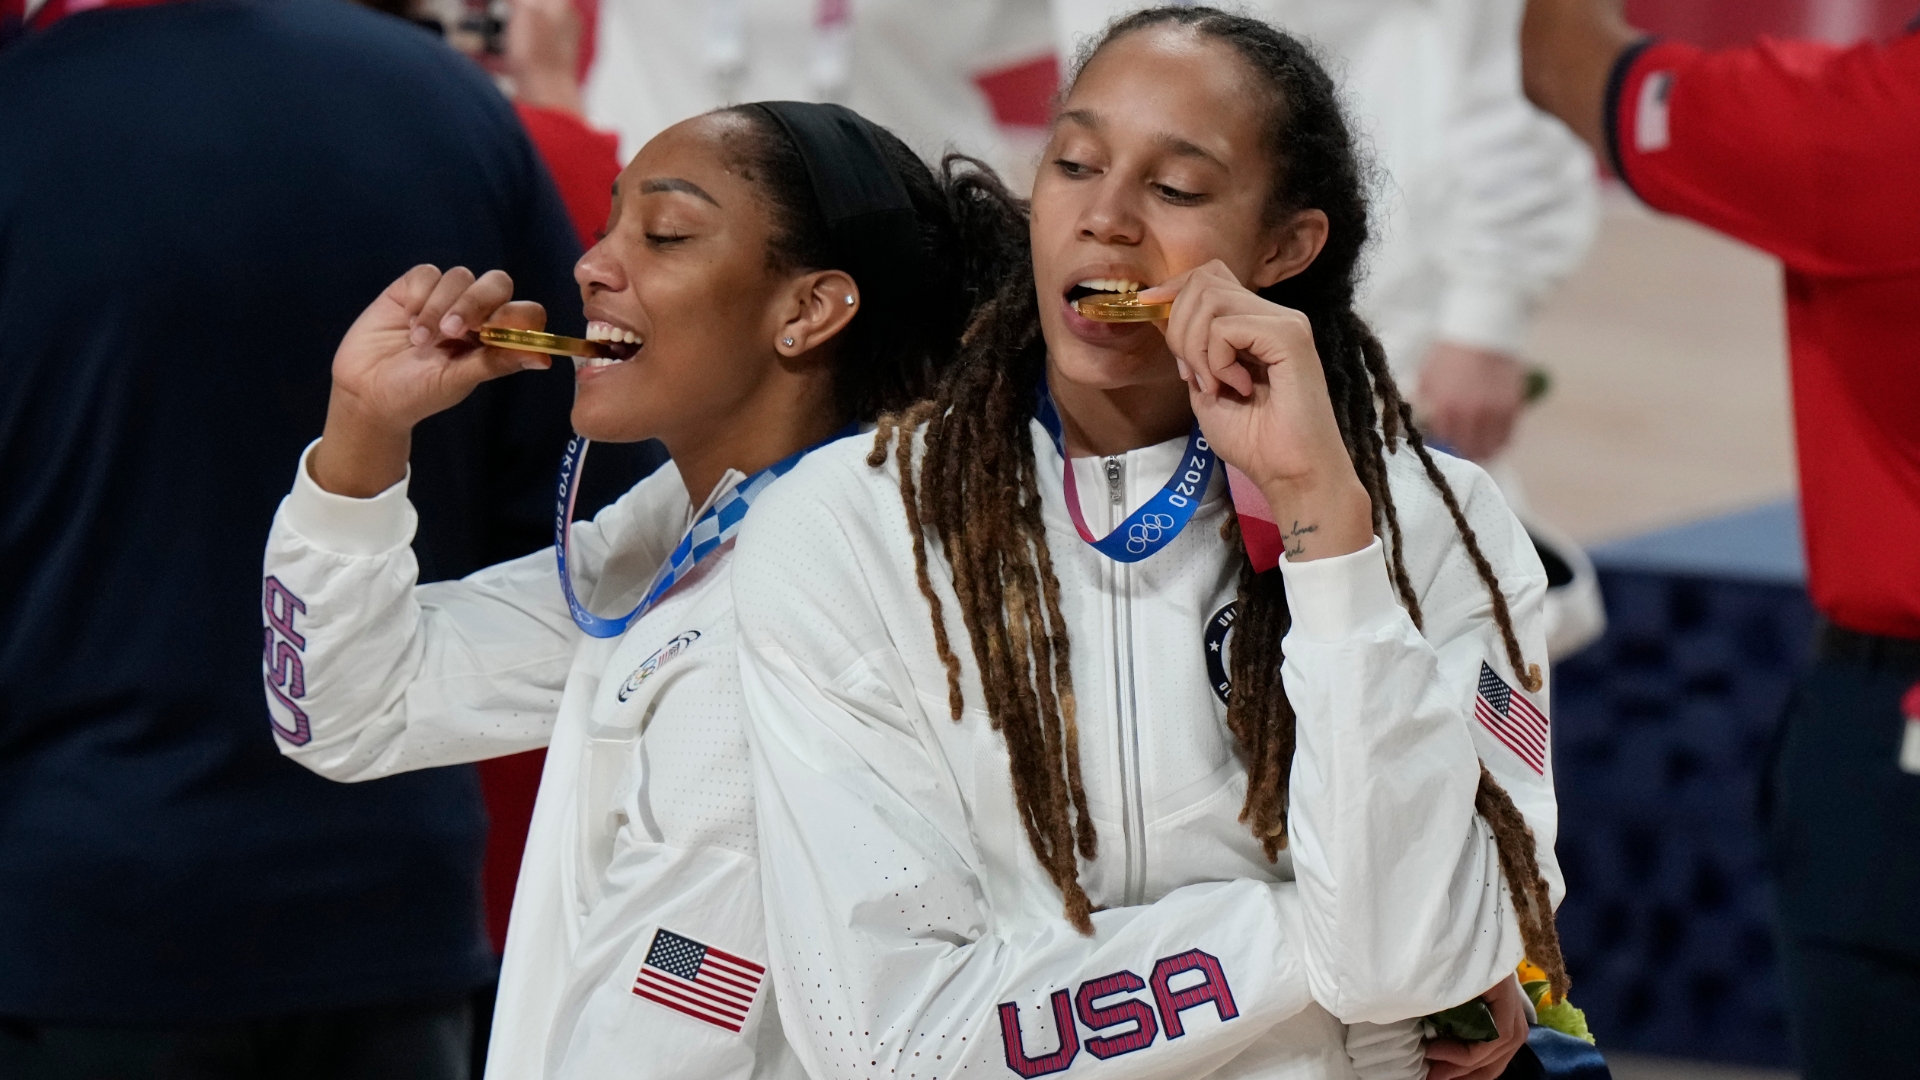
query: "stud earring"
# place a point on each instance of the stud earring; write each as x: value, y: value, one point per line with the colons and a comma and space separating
x: 787, y: 341
x: 849, y: 301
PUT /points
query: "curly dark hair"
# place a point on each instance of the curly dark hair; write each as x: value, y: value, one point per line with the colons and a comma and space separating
x: 976, y: 490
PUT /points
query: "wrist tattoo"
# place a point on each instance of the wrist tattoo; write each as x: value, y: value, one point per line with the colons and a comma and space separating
x: 1296, y: 537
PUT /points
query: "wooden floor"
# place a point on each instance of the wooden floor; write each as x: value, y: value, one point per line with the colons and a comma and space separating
x: 1669, y: 401
x: 1646, y: 1067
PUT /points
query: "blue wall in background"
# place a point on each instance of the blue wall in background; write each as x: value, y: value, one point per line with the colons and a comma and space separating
x: 1662, y: 730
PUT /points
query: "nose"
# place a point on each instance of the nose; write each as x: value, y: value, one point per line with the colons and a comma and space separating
x: 599, y: 271
x: 1110, y: 217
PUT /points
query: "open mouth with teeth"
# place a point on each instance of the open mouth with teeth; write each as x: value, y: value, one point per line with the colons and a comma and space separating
x: 1113, y: 300
x: 1102, y: 287
x: 618, y: 344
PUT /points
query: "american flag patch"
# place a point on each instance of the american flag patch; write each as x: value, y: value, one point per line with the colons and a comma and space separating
x: 698, y: 980
x: 1512, y: 719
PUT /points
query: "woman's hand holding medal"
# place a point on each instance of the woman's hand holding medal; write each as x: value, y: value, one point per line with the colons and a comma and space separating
x: 1260, y: 395
x: 410, y: 355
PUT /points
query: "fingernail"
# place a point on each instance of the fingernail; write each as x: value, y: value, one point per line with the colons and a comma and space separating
x: 420, y: 335
x: 1185, y: 373
x: 532, y: 364
x: 453, y: 326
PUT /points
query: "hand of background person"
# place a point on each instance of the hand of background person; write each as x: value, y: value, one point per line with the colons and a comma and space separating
x: 1450, y: 1059
x: 407, y: 357
x: 1258, y: 390
x: 542, y: 50
x: 1469, y: 398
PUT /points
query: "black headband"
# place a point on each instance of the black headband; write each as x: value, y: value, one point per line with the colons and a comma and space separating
x: 873, y: 232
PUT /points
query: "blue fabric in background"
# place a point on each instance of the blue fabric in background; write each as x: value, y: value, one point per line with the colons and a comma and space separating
x: 1550, y: 1055
x: 1662, y: 730
x: 196, y: 200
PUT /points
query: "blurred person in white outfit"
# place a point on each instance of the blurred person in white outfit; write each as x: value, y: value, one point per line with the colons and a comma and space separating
x: 1484, y: 205
x: 908, y: 64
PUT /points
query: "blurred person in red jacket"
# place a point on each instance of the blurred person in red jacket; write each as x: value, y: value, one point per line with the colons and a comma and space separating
x: 1810, y: 152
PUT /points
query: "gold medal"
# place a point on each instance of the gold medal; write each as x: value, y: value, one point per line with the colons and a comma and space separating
x: 506, y: 337
x: 1121, y: 307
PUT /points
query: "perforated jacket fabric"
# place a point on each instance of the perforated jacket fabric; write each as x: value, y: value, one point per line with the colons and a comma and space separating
x: 915, y: 934
x: 644, y: 821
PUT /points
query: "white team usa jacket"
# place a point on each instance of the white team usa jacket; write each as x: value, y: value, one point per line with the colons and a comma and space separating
x: 917, y: 937
x: 637, y: 945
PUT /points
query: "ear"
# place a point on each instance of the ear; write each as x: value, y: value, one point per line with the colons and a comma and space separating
x: 818, y: 306
x: 1295, y: 244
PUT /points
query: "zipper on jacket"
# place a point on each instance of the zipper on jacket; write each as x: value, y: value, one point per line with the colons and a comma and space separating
x: 1132, y: 809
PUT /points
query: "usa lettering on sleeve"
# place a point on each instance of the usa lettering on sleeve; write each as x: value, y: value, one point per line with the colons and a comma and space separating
x: 286, y: 674
x: 1120, y: 1022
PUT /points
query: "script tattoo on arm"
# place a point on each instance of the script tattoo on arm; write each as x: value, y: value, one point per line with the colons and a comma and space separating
x: 1296, y: 538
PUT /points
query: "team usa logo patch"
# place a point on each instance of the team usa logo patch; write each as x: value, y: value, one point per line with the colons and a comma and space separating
x: 1511, y: 718
x: 651, y: 664
x: 1219, y: 632
x: 699, y: 980
x: 1123, y: 1024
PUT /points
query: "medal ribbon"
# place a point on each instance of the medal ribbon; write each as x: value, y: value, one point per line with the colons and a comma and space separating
x: 1155, y: 524
x: 719, y: 524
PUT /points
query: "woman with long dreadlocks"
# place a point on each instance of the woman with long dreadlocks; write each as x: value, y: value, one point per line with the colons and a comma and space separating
x: 1045, y: 763
x: 749, y: 289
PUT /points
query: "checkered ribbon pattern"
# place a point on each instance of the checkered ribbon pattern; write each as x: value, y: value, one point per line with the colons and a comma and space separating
x: 699, y: 980
x: 1512, y: 719
x: 715, y: 527
x: 718, y: 525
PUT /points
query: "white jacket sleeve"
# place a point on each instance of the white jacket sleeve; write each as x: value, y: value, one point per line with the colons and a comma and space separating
x: 894, y: 952
x: 368, y: 674
x: 1406, y: 909
x: 1527, y: 202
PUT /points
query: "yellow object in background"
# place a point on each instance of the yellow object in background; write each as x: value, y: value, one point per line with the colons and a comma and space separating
x: 1559, y: 1015
x: 1531, y: 972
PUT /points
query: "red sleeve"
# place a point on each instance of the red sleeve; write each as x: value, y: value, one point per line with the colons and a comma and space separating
x: 1808, y: 151
x: 584, y: 163
x: 509, y: 785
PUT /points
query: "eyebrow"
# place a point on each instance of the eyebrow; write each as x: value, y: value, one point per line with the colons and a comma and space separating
x: 1168, y: 141
x: 1180, y: 147
x: 657, y: 184
x: 1086, y: 118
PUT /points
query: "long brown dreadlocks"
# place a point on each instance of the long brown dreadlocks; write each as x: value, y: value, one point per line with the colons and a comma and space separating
x: 978, y: 493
